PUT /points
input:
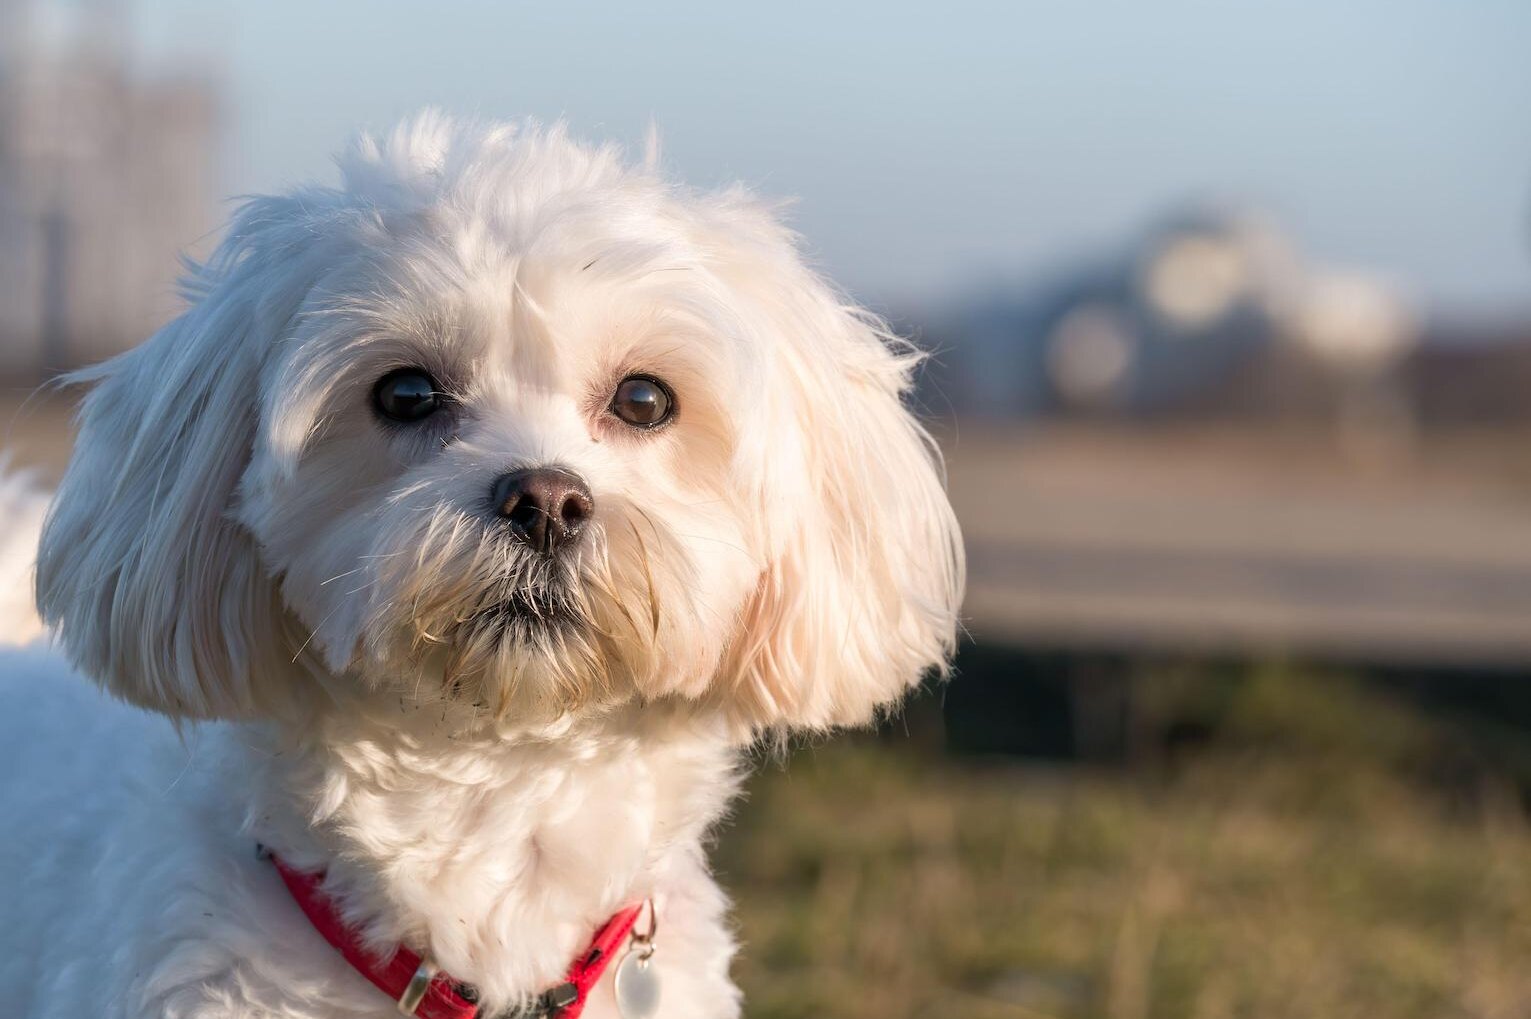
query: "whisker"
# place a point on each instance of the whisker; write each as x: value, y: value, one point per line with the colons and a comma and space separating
x: 338, y: 576
x: 705, y: 537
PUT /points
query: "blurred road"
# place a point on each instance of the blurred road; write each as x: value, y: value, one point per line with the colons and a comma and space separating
x: 1228, y: 538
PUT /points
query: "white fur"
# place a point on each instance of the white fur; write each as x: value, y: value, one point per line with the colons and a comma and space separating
x: 240, y: 539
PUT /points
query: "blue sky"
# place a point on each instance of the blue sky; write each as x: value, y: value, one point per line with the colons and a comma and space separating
x: 937, y: 147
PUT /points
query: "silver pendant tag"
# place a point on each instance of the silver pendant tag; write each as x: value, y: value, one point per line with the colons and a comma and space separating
x: 637, y: 984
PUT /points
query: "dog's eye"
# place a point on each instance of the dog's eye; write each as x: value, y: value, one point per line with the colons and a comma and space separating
x: 643, y: 402
x: 408, y: 394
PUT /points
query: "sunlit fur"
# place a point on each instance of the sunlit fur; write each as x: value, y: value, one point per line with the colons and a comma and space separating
x: 489, y: 750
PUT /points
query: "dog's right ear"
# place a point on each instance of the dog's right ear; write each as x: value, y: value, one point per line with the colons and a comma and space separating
x: 155, y: 591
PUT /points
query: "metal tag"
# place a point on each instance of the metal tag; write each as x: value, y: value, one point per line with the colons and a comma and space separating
x: 638, y: 985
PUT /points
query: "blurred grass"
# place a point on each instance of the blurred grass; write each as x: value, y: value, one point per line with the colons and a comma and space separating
x: 1322, y: 850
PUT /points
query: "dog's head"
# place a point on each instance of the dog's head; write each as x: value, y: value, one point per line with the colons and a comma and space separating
x: 504, y: 420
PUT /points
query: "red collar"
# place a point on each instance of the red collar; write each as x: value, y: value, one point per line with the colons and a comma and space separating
x: 407, y: 978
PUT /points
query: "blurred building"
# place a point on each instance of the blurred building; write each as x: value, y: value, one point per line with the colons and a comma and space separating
x: 1144, y: 328
x: 106, y: 176
x: 1213, y: 311
x: 1173, y: 321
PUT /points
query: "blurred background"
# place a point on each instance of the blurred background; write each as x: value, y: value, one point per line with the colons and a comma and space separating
x: 1230, y: 308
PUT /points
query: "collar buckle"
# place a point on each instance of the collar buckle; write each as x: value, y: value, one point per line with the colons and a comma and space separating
x: 414, y: 991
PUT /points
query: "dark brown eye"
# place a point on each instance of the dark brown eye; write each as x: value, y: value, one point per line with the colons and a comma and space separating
x: 643, y: 402
x: 406, y: 395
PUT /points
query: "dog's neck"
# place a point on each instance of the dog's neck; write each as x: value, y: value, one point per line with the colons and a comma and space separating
x: 499, y: 855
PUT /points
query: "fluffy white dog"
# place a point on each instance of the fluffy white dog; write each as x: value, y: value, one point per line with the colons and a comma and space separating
x: 488, y: 506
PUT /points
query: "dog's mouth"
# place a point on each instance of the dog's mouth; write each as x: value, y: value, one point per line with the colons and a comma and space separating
x: 520, y: 614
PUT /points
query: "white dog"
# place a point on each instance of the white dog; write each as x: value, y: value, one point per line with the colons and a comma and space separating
x: 489, y: 505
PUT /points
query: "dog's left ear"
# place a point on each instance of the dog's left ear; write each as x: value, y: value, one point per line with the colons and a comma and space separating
x: 156, y: 592
x: 861, y: 595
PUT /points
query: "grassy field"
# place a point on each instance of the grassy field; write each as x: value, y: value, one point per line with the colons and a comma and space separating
x: 1326, y: 851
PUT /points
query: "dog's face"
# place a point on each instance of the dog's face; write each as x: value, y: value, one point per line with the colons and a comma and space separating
x: 504, y: 421
x: 512, y: 453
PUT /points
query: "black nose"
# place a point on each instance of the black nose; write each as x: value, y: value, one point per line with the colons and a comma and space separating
x: 546, y: 506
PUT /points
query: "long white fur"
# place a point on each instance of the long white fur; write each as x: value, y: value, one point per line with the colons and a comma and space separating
x: 240, y: 540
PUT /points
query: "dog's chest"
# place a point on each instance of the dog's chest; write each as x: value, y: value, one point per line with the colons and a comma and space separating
x: 500, y: 859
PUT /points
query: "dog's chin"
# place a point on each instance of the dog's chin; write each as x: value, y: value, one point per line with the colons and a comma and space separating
x: 522, y: 653
x: 524, y: 619
x: 512, y: 626
x: 519, y: 637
